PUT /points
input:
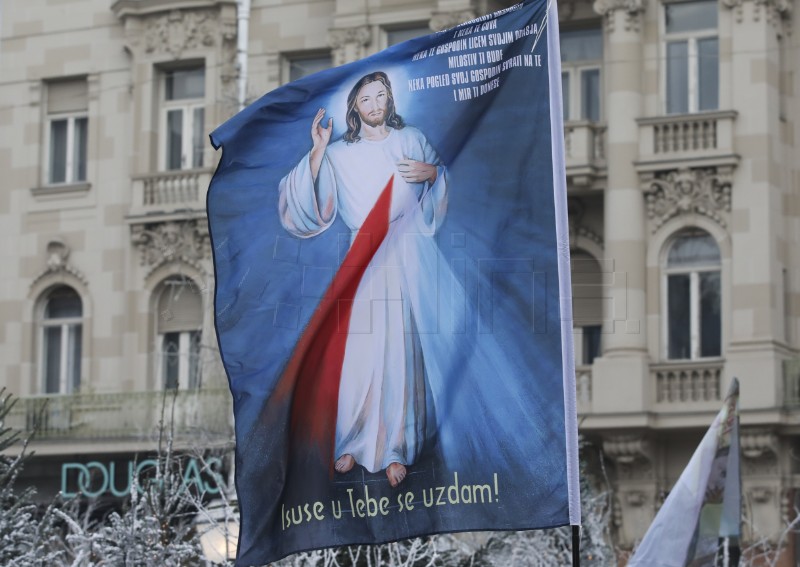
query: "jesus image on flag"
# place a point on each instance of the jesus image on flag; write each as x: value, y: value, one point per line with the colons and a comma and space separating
x: 392, y: 294
x: 381, y: 415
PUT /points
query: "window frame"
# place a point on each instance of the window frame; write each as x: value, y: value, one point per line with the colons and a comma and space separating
x: 575, y: 70
x: 65, y: 385
x: 388, y: 29
x: 288, y: 58
x: 693, y: 61
x: 69, y: 158
x: 694, y: 300
x: 189, y: 372
x: 187, y: 106
x: 190, y: 339
x: 575, y: 96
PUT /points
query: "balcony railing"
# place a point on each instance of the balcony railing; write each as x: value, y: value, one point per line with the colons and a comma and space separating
x: 705, y: 137
x: 689, y: 384
x: 170, y: 191
x: 129, y: 416
x: 584, y: 146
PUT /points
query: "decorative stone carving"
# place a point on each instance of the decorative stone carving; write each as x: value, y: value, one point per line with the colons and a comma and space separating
x: 759, y: 452
x: 757, y: 445
x: 632, y: 455
x: 575, y: 211
x: 184, y: 241
x: 57, y: 252
x: 775, y: 11
x: 761, y: 494
x: 635, y: 498
x: 446, y: 20
x: 349, y: 44
x: 566, y: 9
x: 633, y: 12
x: 705, y: 192
x: 179, y: 30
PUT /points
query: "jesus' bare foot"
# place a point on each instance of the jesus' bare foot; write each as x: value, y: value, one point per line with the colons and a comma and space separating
x: 396, y: 473
x: 344, y: 463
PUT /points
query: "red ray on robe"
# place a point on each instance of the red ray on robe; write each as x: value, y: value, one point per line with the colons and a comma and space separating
x: 313, y: 373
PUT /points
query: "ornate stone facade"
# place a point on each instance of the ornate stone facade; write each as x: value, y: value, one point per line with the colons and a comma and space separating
x: 57, y: 253
x: 705, y: 192
x: 632, y: 8
x: 173, y: 241
x: 349, y: 44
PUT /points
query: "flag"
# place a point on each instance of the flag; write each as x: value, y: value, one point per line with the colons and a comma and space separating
x: 699, y: 524
x: 392, y: 295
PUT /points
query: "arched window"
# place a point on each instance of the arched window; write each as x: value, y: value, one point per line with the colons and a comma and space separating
x: 180, y: 318
x: 694, y: 327
x: 60, y: 340
x: 587, y: 306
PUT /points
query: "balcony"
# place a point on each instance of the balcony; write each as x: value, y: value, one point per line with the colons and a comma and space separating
x: 168, y: 193
x: 686, y: 140
x: 132, y: 416
x: 791, y: 383
x: 687, y: 386
x: 583, y: 386
x: 584, y: 148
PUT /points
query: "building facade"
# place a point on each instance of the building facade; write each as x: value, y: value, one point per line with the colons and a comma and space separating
x: 684, y: 201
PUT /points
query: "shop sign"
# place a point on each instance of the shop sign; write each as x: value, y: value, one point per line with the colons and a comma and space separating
x: 95, y: 479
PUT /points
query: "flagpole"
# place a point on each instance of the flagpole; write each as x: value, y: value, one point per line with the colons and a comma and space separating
x: 576, y: 546
x: 726, y: 553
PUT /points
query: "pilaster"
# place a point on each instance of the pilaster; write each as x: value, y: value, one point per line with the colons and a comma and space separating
x: 623, y: 366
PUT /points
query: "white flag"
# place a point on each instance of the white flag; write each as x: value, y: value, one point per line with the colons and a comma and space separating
x: 700, y: 520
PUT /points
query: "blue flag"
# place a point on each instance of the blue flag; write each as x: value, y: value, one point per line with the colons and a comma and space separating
x: 393, y: 296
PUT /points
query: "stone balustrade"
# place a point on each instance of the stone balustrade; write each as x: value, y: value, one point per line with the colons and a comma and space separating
x: 170, y: 191
x: 129, y: 415
x: 704, y: 138
x: 584, y: 149
x: 679, y: 385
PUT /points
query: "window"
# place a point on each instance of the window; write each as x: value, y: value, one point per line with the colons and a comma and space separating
x: 183, y: 118
x: 693, y: 297
x: 692, y: 56
x: 300, y: 66
x: 587, y: 306
x: 67, y: 127
x: 581, y: 57
x: 395, y: 36
x: 60, y: 340
x: 180, y: 318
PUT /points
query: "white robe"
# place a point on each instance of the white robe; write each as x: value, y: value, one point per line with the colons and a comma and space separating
x: 383, y: 414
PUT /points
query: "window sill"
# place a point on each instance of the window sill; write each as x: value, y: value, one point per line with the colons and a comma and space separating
x: 62, y: 190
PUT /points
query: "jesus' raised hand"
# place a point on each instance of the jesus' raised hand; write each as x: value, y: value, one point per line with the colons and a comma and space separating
x: 319, y: 137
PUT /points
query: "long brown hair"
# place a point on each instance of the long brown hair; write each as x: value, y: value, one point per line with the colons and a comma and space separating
x: 354, y: 120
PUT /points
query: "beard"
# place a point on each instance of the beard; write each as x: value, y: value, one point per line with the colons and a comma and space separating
x: 374, y: 119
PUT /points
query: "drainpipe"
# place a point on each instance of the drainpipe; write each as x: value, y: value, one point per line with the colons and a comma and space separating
x: 242, y: 28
